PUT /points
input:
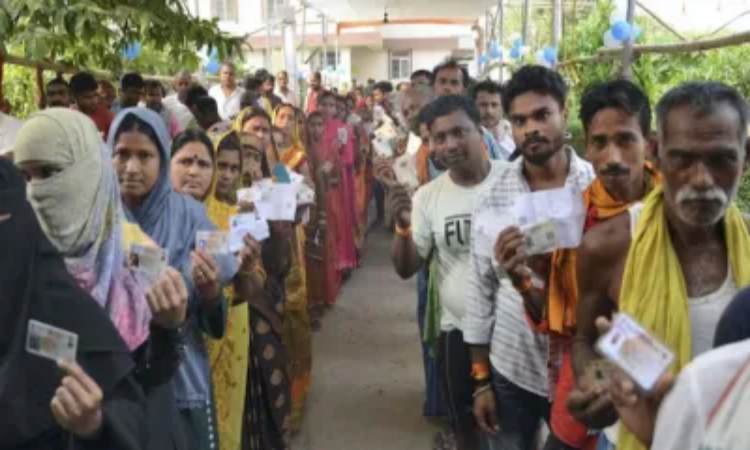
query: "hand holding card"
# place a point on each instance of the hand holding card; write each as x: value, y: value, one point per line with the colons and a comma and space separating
x: 205, y: 274
x: 51, y: 342
x: 168, y: 299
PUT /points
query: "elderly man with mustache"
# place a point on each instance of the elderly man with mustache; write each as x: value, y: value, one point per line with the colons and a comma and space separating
x: 676, y: 260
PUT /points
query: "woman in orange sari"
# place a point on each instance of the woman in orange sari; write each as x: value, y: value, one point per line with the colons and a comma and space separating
x: 338, y: 160
x: 297, y: 332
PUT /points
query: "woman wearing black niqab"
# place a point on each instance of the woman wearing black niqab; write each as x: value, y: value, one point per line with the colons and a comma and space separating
x: 35, y: 284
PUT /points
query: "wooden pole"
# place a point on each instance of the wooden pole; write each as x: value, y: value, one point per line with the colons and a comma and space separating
x: 661, y: 21
x: 682, y: 47
x: 627, y: 53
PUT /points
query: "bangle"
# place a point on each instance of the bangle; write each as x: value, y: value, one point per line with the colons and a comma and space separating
x: 481, y: 390
x: 524, y: 286
x: 480, y: 372
x: 405, y: 232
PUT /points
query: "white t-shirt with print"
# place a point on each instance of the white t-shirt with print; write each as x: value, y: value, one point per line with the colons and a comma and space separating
x: 441, y: 225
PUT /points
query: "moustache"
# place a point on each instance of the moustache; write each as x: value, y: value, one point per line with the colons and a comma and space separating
x: 534, y: 138
x: 713, y: 194
x: 616, y: 170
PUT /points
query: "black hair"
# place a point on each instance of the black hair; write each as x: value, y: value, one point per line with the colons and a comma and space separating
x: 452, y: 64
x: 251, y: 82
x: 622, y: 95
x: 263, y: 75
x: 83, y: 82
x: 449, y: 104
x: 385, y: 87
x: 194, y: 92
x: 154, y: 84
x: 207, y: 106
x: 248, y: 99
x: 703, y: 98
x: 537, y: 79
x: 132, y: 80
x: 131, y: 123
x: 487, y: 86
x: 189, y: 136
x: 421, y: 73
x: 58, y: 80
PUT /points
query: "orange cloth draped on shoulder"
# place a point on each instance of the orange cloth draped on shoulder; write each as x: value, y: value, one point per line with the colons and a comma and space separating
x: 364, y: 180
x: 423, y: 164
x: 297, y: 331
x: 560, y: 314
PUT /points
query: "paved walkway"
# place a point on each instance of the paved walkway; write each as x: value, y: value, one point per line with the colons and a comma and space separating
x: 367, y: 376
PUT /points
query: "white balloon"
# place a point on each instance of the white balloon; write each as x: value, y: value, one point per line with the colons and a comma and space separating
x: 610, y: 41
x: 540, y: 59
x: 514, y: 36
x: 525, y: 50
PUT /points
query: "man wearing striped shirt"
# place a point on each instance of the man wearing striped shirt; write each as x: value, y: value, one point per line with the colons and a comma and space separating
x: 510, y: 404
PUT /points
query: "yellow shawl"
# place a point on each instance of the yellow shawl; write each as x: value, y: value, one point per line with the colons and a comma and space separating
x: 653, y: 289
x: 229, y: 356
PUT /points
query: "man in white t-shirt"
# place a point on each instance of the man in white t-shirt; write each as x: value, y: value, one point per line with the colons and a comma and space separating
x: 437, y: 230
x: 9, y: 127
x: 227, y: 94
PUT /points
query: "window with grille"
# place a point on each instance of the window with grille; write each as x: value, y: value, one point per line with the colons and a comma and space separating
x: 275, y: 7
x: 400, y: 65
x: 225, y: 10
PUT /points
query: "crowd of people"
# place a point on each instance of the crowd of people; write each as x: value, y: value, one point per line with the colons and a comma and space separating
x: 214, y: 351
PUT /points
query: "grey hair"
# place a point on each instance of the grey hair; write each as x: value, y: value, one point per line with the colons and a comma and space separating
x: 183, y: 74
x: 703, y: 98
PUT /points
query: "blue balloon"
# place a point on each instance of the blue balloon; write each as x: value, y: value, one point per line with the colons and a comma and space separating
x: 495, y: 52
x: 515, y: 52
x: 621, y: 30
x: 517, y: 43
x: 132, y: 51
x: 483, y: 60
x: 213, y: 66
x: 550, y: 54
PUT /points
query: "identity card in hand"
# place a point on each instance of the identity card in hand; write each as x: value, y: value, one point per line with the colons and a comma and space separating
x: 405, y: 168
x: 212, y: 242
x: 249, y: 195
x: 244, y: 224
x: 563, y: 206
x: 382, y: 147
x: 51, y: 342
x: 631, y: 348
x: 150, y: 260
x: 540, y: 238
x: 279, y: 202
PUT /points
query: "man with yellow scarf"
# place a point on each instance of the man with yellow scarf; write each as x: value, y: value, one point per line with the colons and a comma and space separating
x: 674, y: 262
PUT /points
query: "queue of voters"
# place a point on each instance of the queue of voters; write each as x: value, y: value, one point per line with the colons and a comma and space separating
x: 169, y: 251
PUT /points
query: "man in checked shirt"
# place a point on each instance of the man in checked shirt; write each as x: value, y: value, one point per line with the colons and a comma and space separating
x: 510, y: 403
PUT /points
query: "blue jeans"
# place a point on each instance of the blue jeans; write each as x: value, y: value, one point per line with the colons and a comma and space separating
x: 434, y: 403
x: 520, y: 413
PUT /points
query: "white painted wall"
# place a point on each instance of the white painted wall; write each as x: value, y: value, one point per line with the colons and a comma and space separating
x: 367, y: 63
x: 428, y: 59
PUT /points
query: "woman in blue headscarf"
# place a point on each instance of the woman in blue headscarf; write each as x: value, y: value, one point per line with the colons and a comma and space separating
x: 140, y: 144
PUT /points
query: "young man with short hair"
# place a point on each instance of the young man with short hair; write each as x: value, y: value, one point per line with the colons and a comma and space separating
x: 437, y: 228
x: 132, y: 86
x: 153, y: 100
x: 510, y: 404
x: 83, y: 87
x: 57, y: 94
x: 175, y: 102
x: 488, y: 97
x: 421, y: 76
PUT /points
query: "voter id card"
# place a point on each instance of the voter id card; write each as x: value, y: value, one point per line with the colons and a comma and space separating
x: 540, y: 238
x: 51, y: 342
x: 631, y: 348
x: 213, y: 242
x: 149, y: 260
x: 343, y: 135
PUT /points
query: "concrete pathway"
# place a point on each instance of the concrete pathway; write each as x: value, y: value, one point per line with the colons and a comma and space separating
x: 367, y: 374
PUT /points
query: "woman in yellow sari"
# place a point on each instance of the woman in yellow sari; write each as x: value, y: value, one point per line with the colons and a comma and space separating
x: 297, y: 330
x: 228, y: 357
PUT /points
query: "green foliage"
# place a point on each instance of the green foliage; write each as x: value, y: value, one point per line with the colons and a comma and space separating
x: 93, y: 33
x: 20, y: 89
